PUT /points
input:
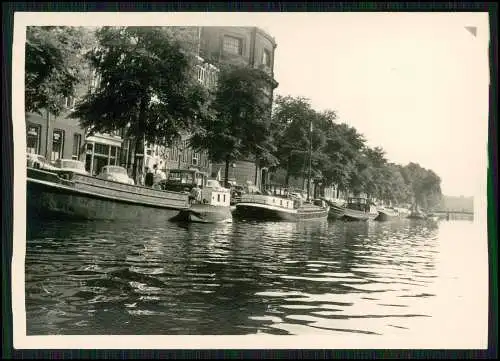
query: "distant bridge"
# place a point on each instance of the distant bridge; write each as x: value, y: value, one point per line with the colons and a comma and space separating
x: 455, y: 212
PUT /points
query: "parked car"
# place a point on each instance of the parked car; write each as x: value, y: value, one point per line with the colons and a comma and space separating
x: 71, y: 165
x: 116, y: 174
x: 38, y: 161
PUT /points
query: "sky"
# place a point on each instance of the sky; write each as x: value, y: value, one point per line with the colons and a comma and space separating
x: 415, y: 84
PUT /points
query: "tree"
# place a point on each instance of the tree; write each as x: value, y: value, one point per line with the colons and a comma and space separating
x: 344, y: 146
x: 53, y: 69
x: 292, y: 116
x: 425, y: 185
x: 147, y: 86
x: 241, y: 125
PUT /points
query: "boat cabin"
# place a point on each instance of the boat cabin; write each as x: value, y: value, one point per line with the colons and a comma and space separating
x: 210, y: 190
x: 360, y: 204
x: 183, y: 180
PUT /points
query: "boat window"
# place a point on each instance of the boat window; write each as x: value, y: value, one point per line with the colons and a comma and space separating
x: 224, y: 198
x: 218, y: 197
x: 114, y: 169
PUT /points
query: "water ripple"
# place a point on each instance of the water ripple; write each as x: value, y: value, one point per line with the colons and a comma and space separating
x: 240, y: 278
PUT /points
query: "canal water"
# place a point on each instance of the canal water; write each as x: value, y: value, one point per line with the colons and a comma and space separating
x: 405, y: 277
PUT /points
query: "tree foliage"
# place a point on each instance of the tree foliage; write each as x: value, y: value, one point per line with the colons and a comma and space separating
x: 147, y: 86
x: 54, y: 65
x: 240, y: 126
x: 341, y: 156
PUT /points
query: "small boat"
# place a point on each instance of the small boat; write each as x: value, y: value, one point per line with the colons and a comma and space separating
x: 403, y: 212
x: 433, y: 217
x: 359, y: 209
x: 213, y: 203
x: 279, y: 208
x: 387, y: 214
x: 63, y: 193
x: 416, y: 213
x: 337, y: 209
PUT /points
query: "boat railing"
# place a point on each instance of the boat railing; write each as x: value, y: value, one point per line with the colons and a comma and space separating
x: 115, y: 190
x: 269, y: 200
x: 48, y: 176
x: 124, y: 187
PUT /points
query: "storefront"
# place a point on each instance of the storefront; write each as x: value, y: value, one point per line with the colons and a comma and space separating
x: 33, y: 138
x: 102, y: 150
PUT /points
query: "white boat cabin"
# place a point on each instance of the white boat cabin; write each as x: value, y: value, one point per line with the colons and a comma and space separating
x: 361, y: 204
x: 201, y: 189
x: 281, y: 202
x: 214, y: 194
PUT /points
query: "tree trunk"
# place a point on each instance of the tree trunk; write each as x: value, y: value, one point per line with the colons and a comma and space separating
x: 256, y: 173
x: 138, y: 145
x: 226, y: 173
x: 47, y: 155
x: 287, y: 178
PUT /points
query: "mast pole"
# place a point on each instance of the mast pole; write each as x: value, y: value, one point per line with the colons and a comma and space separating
x: 310, y: 158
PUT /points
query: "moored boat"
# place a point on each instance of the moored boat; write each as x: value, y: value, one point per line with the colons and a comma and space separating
x: 71, y: 195
x: 359, y: 209
x: 209, y: 201
x: 337, y: 210
x: 279, y: 208
x: 416, y: 213
x: 387, y: 214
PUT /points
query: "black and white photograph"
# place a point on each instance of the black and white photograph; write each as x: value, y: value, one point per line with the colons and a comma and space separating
x: 250, y: 180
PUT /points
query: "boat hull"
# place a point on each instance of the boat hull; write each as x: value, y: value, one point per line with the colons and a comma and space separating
x: 384, y: 216
x: 354, y: 215
x: 336, y: 212
x: 202, y: 213
x: 49, y: 196
x: 262, y: 212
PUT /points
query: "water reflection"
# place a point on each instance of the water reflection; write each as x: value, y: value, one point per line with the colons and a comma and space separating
x: 239, y: 278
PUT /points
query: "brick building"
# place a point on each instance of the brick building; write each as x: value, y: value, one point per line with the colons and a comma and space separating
x: 54, y: 137
x: 246, y: 46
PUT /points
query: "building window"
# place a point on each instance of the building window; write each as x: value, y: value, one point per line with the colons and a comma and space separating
x: 113, y: 155
x: 57, y: 144
x: 33, y: 136
x: 77, y: 143
x: 266, y: 58
x: 95, y: 80
x: 103, y: 155
x: 196, y: 158
x: 70, y: 102
x: 232, y: 45
x: 101, y: 149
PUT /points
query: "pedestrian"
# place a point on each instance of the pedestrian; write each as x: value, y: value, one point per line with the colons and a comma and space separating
x: 195, y: 194
x: 149, y: 178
